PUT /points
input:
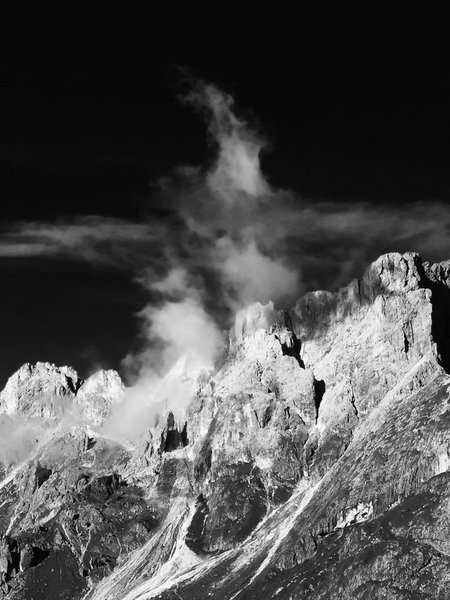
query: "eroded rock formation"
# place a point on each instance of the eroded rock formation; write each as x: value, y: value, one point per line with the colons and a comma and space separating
x: 314, y: 463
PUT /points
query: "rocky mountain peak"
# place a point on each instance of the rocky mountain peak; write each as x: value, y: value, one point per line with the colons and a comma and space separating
x: 311, y: 463
x: 393, y: 273
x: 41, y: 390
x: 361, y: 340
x: 438, y: 272
x: 46, y: 391
x: 98, y: 393
x: 390, y: 274
x: 254, y: 317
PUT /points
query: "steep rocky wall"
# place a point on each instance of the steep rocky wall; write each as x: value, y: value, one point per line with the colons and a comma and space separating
x: 363, y: 339
x: 319, y: 420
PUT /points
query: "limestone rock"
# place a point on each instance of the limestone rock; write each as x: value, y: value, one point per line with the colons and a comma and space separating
x: 40, y: 390
x: 98, y: 393
x: 360, y: 342
x: 314, y: 462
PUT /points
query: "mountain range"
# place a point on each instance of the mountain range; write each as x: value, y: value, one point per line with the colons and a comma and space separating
x: 313, y: 462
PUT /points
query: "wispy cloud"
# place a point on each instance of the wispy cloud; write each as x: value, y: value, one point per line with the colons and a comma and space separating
x: 241, y: 241
x: 237, y: 169
x: 115, y: 242
x: 228, y: 239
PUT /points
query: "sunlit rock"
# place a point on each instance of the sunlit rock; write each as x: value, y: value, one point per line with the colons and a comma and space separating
x: 313, y: 461
x: 98, y: 393
x: 41, y: 390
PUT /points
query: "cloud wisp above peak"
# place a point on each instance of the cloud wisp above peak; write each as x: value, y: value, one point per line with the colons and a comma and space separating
x: 236, y: 173
x: 221, y: 263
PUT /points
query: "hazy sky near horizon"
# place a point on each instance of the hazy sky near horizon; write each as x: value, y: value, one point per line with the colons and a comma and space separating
x: 100, y: 159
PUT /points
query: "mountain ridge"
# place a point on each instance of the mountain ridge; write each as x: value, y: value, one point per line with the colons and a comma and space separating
x: 323, y: 423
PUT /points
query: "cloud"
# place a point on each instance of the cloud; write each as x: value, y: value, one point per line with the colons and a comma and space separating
x: 334, y: 242
x: 20, y: 435
x: 94, y: 239
x: 256, y: 316
x: 18, y: 438
x: 252, y: 276
x: 185, y: 332
x: 237, y: 170
x: 227, y: 239
x: 182, y: 343
x: 241, y: 242
x: 215, y: 265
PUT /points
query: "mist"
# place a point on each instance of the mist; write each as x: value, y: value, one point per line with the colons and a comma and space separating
x: 21, y: 435
x: 222, y: 264
x: 244, y: 249
x: 227, y: 243
x: 18, y: 438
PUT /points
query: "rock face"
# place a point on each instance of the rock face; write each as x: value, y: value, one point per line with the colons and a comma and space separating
x: 49, y: 392
x: 98, y: 394
x: 314, y: 463
x: 40, y: 390
x: 361, y: 342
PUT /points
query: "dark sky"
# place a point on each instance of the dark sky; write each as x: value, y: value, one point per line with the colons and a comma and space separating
x: 355, y: 102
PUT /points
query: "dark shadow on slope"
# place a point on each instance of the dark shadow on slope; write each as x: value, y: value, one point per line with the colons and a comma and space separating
x: 196, y: 531
x: 42, y: 474
x: 295, y: 347
x: 172, y: 438
x: 440, y: 328
x: 319, y: 391
x: 293, y: 350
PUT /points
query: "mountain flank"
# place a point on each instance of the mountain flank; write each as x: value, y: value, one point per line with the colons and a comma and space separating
x: 312, y: 463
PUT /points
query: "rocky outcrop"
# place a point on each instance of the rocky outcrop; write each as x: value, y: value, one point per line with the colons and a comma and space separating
x: 98, y: 394
x: 46, y: 391
x: 41, y: 390
x: 360, y: 342
x: 250, y: 424
x: 72, y: 506
x: 312, y: 463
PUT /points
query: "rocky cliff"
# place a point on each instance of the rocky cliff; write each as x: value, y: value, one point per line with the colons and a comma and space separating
x: 313, y: 463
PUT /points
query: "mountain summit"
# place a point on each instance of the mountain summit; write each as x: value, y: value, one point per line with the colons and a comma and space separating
x: 313, y: 463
